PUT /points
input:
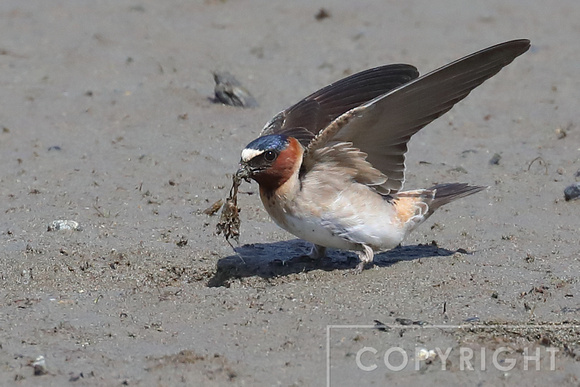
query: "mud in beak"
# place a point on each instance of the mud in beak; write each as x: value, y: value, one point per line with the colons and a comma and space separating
x: 244, y: 172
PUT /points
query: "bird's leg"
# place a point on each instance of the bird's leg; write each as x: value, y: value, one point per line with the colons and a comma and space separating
x: 366, y: 256
x: 315, y: 255
x: 317, y: 252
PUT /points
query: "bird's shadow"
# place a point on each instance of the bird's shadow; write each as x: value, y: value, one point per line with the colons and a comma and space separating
x: 269, y: 260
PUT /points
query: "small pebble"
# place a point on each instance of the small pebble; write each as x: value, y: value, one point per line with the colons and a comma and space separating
x: 458, y: 170
x: 229, y: 91
x: 572, y: 192
x: 495, y: 159
x: 322, y: 14
x: 560, y: 133
x: 424, y: 354
x: 58, y: 225
x: 39, y: 365
x: 381, y: 327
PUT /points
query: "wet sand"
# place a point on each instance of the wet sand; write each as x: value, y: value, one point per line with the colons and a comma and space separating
x: 107, y: 120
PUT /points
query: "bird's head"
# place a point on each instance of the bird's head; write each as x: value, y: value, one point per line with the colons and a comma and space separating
x: 271, y: 160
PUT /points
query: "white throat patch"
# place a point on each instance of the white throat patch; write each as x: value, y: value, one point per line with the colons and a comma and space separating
x: 248, y: 154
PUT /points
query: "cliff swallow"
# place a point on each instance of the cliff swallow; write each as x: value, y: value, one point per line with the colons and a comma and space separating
x: 331, y: 167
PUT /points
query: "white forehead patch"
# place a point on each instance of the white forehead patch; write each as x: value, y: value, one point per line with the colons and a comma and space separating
x: 248, y: 154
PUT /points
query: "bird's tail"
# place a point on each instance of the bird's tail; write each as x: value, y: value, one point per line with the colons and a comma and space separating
x: 445, y: 193
x: 413, y: 207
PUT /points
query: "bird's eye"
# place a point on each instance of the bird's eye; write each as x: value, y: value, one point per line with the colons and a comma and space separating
x: 269, y: 155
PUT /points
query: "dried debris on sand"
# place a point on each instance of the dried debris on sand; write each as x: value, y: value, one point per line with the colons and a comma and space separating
x: 229, y: 223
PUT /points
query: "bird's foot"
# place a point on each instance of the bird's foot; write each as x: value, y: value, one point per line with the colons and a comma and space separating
x: 300, y: 259
x: 366, y: 259
x: 362, y: 266
x: 316, y: 254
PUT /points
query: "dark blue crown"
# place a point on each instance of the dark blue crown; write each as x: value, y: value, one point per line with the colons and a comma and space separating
x: 269, y: 142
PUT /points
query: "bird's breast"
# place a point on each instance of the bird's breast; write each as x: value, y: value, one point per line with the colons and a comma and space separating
x: 339, y: 218
x: 305, y: 222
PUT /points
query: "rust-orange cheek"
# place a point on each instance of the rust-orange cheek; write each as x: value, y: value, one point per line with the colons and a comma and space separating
x: 284, y: 166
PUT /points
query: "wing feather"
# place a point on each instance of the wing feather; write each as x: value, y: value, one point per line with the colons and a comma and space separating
x: 319, y: 109
x: 350, y: 161
x: 382, y: 127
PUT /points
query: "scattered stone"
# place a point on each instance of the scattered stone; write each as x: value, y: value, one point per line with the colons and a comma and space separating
x: 58, y: 225
x: 560, y: 133
x: 258, y: 52
x: 74, y: 378
x: 322, y: 14
x: 381, y: 326
x: 572, y: 192
x: 424, y: 354
x: 229, y: 91
x: 458, y: 170
x: 467, y: 151
x: 408, y: 321
x: 182, y: 242
x: 39, y: 366
x: 137, y: 8
x: 495, y: 159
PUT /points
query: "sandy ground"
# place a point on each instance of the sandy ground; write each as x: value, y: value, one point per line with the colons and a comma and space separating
x: 106, y: 120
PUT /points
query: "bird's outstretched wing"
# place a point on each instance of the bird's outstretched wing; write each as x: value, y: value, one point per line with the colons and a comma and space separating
x: 382, y: 126
x: 319, y: 109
